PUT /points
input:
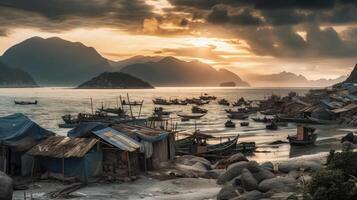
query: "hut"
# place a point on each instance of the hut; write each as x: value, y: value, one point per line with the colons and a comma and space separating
x: 347, y: 111
x: 159, y: 144
x: 67, y: 158
x: 18, y: 134
x: 120, y: 154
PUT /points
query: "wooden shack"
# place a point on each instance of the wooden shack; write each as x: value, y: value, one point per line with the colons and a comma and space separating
x: 159, y: 144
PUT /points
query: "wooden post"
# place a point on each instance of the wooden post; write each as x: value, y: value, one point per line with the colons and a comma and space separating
x: 141, y: 105
x: 145, y: 164
x: 63, y: 165
x: 129, y: 167
x: 91, y: 105
x: 131, y: 111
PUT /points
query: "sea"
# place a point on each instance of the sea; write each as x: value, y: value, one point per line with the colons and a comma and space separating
x: 54, y: 102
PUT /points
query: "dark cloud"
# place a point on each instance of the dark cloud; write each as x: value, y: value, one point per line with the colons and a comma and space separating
x: 221, y: 15
x: 66, y: 14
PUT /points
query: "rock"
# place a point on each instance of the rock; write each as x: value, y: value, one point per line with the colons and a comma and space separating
x: 227, y: 192
x: 349, y: 137
x: 299, y: 165
x: 281, y: 196
x: 6, y: 188
x: 214, y: 173
x: 268, y: 166
x: 191, y: 160
x: 200, y: 166
x: 262, y: 174
x: 347, y: 146
x: 278, y: 184
x: 235, y: 170
x: 248, y: 181
x: 294, y: 174
x: 223, y: 164
x: 252, y: 195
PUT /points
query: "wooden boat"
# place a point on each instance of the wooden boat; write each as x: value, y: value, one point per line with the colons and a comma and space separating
x: 25, y: 102
x: 159, y: 101
x: 196, y: 109
x: 272, y: 126
x: 132, y: 103
x: 264, y: 119
x: 207, y: 97
x: 304, y: 136
x: 229, y: 124
x: 269, y: 112
x: 160, y: 111
x: 191, y: 116
x: 197, y: 145
x: 223, y: 102
x: 238, y: 116
x: 244, y: 124
x: 117, y: 111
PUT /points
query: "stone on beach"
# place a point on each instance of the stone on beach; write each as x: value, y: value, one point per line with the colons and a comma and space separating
x: 214, y: 173
x: 299, y: 165
x: 235, y: 170
x: 223, y: 164
x: 191, y: 160
x: 278, y: 184
x: 6, y: 188
x: 268, y: 166
x: 252, y: 195
x: 227, y: 192
x: 248, y: 181
x: 262, y: 174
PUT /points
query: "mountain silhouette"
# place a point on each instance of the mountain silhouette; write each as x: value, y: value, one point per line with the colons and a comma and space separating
x: 55, y: 61
x: 171, y: 71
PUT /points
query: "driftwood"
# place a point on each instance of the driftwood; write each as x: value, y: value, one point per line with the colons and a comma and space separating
x: 66, y: 192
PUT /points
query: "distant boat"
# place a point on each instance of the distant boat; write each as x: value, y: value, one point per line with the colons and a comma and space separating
x: 304, y: 136
x: 229, y: 124
x: 191, y: 116
x: 238, y: 116
x: 196, y: 109
x: 25, y: 102
x: 223, y: 102
x: 244, y: 124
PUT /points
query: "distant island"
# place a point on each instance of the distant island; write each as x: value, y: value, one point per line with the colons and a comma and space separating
x: 170, y: 71
x: 12, y: 77
x: 228, y: 84
x: 115, y: 80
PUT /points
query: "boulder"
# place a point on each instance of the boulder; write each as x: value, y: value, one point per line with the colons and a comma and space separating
x: 6, y: 188
x: 299, y: 165
x: 214, y: 173
x: 252, y: 195
x: 227, y: 192
x: 347, y: 146
x: 278, y: 184
x: 191, y: 160
x: 235, y: 170
x: 262, y: 174
x: 248, y: 181
x: 268, y: 166
x: 223, y: 164
x: 199, y: 166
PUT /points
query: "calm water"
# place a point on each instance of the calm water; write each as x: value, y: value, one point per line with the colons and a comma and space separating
x: 55, y: 102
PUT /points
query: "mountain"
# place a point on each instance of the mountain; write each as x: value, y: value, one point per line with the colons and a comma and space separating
x: 10, y: 77
x: 55, y: 61
x: 118, y: 65
x: 289, y: 79
x: 352, y: 78
x: 115, y: 80
x: 171, y: 71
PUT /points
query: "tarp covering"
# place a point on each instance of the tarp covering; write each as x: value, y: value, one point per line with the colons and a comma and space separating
x: 119, y: 140
x: 88, y: 166
x: 20, y: 132
x: 142, y: 132
x: 85, y: 129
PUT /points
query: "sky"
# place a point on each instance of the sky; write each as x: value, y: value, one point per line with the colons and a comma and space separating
x: 315, y: 38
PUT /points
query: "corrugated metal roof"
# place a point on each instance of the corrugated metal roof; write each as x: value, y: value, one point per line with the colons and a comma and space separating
x: 117, y: 139
x: 345, y: 109
x: 63, y: 147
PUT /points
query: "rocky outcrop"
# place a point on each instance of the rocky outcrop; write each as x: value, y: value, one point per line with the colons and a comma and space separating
x: 115, y: 80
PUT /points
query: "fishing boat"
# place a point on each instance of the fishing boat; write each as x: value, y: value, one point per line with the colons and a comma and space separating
x: 272, y: 126
x: 229, y: 124
x: 264, y: 119
x: 25, y: 102
x: 196, y: 144
x: 117, y: 111
x: 196, y: 109
x: 191, y: 116
x: 132, y: 103
x: 270, y: 112
x: 160, y: 111
x: 240, y: 102
x: 238, y: 116
x: 178, y: 102
x: 244, y: 124
x: 304, y: 136
x: 207, y: 97
x: 159, y: 101
x: 223, y: 102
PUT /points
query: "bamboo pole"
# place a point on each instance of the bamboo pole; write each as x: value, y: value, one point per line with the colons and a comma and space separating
x: 131, y: 111
x: 91, y: 105
x: 63, y: 166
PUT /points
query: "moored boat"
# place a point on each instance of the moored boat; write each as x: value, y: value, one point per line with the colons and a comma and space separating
x: 196, y: 109
x: 238, y: 116
x: 229, y: 124
x: 244, y: 124
x: 272, y: 126
x: 191, y: 116
x: 25, y: 102
x: 304, y: 136
x: 223, y: 102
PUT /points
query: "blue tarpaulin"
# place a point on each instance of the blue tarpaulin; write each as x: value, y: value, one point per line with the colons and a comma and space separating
x: 20, y: 132
x: 85, y: 129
